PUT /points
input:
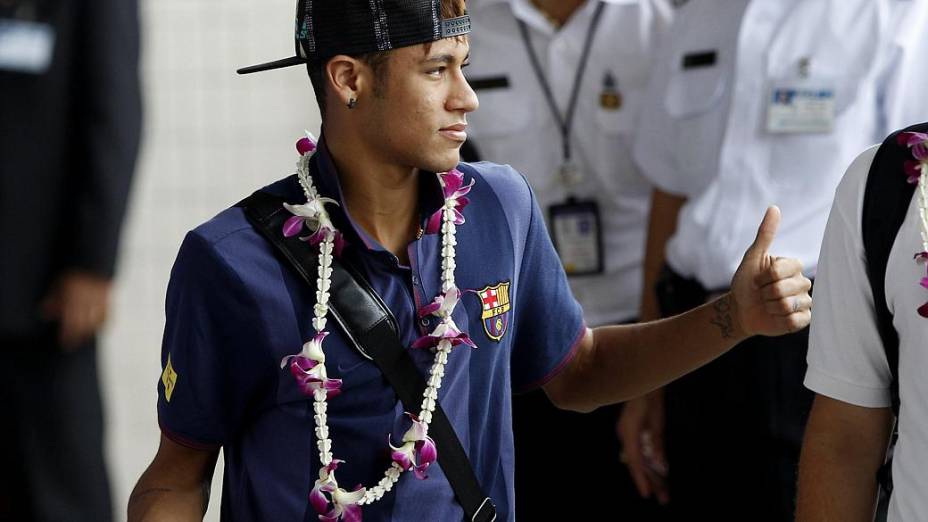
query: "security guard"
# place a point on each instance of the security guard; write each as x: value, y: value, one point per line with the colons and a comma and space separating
x: 761, y: 100
x: 561, y: 85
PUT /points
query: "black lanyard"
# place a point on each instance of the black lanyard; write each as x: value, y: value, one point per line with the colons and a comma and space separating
x: 564, y: 122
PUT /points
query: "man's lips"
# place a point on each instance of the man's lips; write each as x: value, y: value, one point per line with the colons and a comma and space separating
x: 457, y: 132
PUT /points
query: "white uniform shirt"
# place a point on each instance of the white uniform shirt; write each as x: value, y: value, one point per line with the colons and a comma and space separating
x: 515, y: 125
x: 846, y: 357
x: 705, y: 132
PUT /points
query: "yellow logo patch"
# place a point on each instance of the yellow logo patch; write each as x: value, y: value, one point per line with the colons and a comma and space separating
x: 169, y: 378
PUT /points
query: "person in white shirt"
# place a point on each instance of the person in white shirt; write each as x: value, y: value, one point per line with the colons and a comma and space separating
x: 561, y: 85
x: 753, y: 101
x: 849, y: 366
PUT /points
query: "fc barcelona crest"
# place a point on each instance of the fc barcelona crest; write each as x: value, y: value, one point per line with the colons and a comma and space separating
x: 495, y: 301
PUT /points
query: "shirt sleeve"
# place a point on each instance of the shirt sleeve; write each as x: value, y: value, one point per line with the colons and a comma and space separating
x: 211, y: 352
x: 846, y: 358
x: 548, y: 321
x: 106, y: 131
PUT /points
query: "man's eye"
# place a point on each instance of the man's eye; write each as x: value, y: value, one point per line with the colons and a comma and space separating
x: 438, y: 71
x: 465, y: 65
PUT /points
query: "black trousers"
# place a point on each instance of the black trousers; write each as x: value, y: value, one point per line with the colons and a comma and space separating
x: 734, y: 427
x: 51, y: 443
x: 592, y: 485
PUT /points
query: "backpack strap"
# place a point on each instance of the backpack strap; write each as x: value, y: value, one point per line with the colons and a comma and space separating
x: 886, y: 201
x: 371, y: 328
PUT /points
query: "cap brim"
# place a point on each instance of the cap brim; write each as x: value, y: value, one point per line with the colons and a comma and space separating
x: 279, y: 64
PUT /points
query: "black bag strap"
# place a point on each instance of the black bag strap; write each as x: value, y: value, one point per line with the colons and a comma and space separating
x: 886, y: 201
x: 371, y: 328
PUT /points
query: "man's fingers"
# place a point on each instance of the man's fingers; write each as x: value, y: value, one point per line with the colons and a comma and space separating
x: 631, y: 457
x: 639, y: 477
x: 780, y: 268
x: 794, y: 322
x: 766, y: 232
x: 786, y: 288
x: 789, y: 305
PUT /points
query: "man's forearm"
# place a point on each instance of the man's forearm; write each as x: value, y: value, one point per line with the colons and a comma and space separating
x: 630, y: 360
x: 843, y: 449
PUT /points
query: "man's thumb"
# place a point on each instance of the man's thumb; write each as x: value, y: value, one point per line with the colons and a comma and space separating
x: 766, y: 232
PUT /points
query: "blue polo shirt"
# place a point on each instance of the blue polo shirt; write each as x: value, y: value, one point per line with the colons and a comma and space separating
x: 234, y: 310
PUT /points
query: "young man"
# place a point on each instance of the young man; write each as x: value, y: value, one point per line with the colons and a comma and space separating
x: 394, y: 98
x: 561, y: 84
x: 765, y: 100
x: 849, y: 369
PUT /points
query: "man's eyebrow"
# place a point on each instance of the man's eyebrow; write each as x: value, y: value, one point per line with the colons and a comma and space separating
x: 444, y: 58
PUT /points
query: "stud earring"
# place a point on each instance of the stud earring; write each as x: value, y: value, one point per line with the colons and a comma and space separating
x: 352, y: 103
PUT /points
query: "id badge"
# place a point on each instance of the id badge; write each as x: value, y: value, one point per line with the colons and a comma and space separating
x: 801, y: 107
x: 26, y: 47
x: 577, y: 235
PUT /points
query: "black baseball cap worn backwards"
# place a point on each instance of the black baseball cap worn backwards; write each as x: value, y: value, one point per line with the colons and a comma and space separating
x: 325, y: 28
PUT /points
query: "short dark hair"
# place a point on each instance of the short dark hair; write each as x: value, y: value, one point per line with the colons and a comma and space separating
x: 377, y: 61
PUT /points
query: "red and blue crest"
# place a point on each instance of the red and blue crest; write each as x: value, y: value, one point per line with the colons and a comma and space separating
x: 496, y: 306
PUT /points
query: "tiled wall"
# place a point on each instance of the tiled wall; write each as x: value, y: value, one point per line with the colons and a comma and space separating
x: 211, y: 137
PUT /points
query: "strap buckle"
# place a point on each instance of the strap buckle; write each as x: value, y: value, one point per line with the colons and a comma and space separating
x: 491, y: 511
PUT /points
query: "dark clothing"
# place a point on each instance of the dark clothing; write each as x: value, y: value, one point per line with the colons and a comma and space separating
x: 68, y: 145
x: 51, y: 444
x: 734, y: 427
x: 69, y: 137
x: 595, y: 485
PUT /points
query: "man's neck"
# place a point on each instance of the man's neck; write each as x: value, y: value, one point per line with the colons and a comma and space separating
x: 382, y: 199
x: 558, y: 11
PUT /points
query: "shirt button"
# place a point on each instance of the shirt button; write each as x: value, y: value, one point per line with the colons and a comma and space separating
x: 415, y: 279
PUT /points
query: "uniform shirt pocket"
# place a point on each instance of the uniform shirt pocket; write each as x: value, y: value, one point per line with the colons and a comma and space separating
x: 694, y: 90
x: 504, y: 108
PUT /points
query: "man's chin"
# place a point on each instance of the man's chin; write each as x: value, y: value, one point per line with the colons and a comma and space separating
x: 444, y: 164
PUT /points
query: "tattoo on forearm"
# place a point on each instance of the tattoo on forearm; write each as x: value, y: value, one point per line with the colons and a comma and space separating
x: 723, y: 319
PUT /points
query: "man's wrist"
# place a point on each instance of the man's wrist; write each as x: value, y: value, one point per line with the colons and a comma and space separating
x: 726, y: 318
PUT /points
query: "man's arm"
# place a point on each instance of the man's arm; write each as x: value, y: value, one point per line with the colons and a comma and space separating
x: 844, y: 447
x: 769, y: 297
x: 175, y: 487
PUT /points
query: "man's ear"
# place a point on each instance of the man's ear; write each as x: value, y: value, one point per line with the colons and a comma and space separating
x: 349, y: 78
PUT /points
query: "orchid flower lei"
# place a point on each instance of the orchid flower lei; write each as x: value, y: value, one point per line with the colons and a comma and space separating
x: 917, y: 172
x: 417, y: 450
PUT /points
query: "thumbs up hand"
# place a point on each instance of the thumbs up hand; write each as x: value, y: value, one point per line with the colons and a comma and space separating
x: 771, y: 296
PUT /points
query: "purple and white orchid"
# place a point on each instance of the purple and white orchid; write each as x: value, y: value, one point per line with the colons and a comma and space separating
x: 445, y: 331
x: 442, y: 305
x: 308, y: 368
x: 454, y: 192
x: 917, y: 141
x: 344, y: 504
x: 418, y: 451
x: 922, y: 258
x: 917, y: 172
